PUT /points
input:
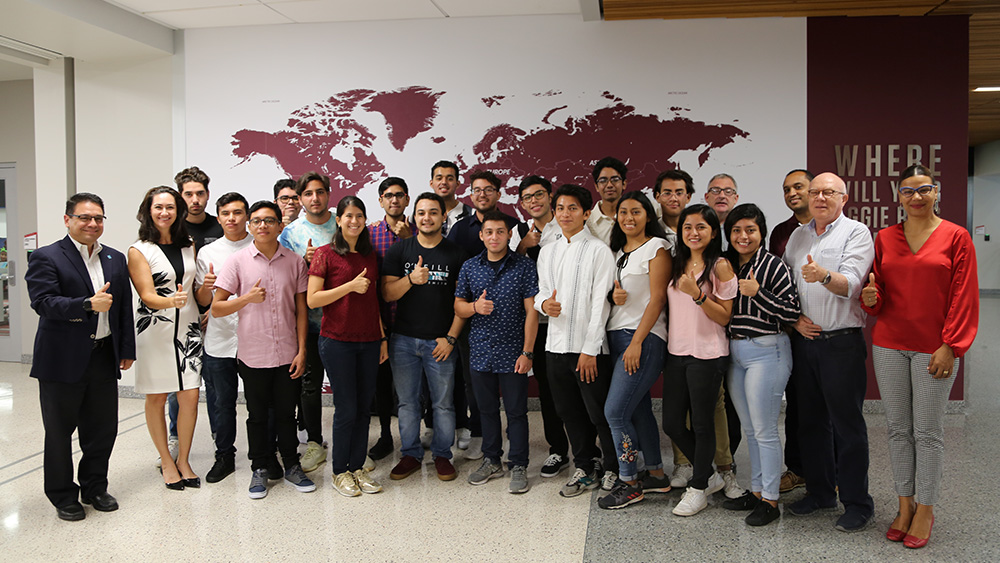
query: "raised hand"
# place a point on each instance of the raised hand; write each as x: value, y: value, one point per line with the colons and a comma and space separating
x: 689, y: 285
x: 402, y: 229
x: 310, y: 250
x: 360, y: 284
x: 420, y: 273
x: 869, y: 294
x: 551, y: 307
x: 210, y: 278
x: 101, y: 301
x: 532, y: 238
x: 619, y: 295
x: 482, y: 305
x: 813, y: 272
x: 749, y: 286
x: 180, y: 297
x: 257, y: 294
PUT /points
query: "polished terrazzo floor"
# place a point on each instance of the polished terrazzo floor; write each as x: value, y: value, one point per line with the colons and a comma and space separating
x: 424, y: 519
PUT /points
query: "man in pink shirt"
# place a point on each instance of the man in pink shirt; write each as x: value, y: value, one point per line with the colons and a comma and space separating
x: 270, y: 284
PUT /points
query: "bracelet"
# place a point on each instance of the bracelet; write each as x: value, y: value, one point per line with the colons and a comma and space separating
x: 384, y: 339
x: 701, y: 299
x: 408, y: 278
x: 450, y: 340
x: 474, y: 311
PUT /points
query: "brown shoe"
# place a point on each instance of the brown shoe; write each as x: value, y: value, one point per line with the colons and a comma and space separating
x: 790, y: 481
x: 446, y: 471
x: 406, y: 467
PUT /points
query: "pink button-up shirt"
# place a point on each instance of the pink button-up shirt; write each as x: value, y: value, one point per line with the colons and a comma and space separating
x: 266, y: 336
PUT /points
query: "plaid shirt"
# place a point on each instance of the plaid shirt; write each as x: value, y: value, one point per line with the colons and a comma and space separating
x: 382, y: 238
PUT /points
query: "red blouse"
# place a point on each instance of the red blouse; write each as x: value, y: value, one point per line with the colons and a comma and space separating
x: 928, y: 298
x: 355, y: 316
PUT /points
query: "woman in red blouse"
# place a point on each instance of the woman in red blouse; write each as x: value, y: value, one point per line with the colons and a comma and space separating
x: 916, y: 345
x: 352, y: 341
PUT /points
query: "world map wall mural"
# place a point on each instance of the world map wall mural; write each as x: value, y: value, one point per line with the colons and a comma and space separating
x: 354, y: 135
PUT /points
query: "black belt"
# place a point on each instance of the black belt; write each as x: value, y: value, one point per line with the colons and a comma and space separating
x: 102, y: 342
x: 745, y: 337
x: 828, y: 334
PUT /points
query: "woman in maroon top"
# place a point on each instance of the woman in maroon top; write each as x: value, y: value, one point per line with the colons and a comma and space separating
x: 925, y: 291
x: 352, y: 341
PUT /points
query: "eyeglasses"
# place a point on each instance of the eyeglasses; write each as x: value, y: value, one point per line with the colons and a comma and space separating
x: 827, y: 193
x: 924, y: 191
x: 488, y: 190
x: 535, y: 196
x: 394, y: 195
x: 269, y: 221
x: 287, y: 198
x: 672, y: 193
x: 717, y: 191
x: 99, y: 219
x: 614, y: 180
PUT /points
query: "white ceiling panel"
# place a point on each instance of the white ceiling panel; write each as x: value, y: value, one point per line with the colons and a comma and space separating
x: 14, y: 71
x: 473, y: 8
x: 224, y: 16
x: 306, y: 11
x: 145, y: 6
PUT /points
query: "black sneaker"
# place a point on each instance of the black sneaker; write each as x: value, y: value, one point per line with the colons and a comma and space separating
x: 382, y: 448
x: 274, y: 470
x: 224, y: 466
x: 554, y: 465
x: 763, y: 514
x: 621, y: 495
x: 746, y: 502
x: 654, y: 484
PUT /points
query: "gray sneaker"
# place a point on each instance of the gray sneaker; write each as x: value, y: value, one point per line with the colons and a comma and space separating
x: 608, y: 482
x: 579, y: 483
x: 298, y: 479
x: 487, y: 470
x: 258, y: 484
x: 518, y: 480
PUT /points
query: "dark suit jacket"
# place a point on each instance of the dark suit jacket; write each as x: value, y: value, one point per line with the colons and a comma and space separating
x: 58, y: 283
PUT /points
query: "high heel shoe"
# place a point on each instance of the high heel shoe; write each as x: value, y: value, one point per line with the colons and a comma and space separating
x: 194, y: 483
x: 914, y: 542
x: 894, y: 534
x: 177, y: 486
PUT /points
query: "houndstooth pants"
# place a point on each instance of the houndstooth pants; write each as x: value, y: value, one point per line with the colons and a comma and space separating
x: 914, y: 409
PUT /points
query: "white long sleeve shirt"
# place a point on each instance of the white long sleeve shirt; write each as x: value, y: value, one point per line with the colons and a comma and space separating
x: 581, y: 271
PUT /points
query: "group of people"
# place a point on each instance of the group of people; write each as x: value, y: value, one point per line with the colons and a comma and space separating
x: 597, y: 300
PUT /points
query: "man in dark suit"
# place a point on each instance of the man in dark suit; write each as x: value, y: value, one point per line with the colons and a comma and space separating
x: 82, y: 294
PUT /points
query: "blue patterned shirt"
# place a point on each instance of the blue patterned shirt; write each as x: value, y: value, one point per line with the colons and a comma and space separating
x: 296, y: 236
x: 496, y: 340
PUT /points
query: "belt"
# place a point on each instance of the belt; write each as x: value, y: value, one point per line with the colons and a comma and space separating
x: 828, y: 334
x: 102, y: 342
x: 744, y: 337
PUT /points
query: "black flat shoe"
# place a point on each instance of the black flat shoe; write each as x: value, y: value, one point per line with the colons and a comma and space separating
x: 178, y: 486
x: 71, y: 512
x: 103, y: 502
x: 746, y: 502
x: 194, y: 483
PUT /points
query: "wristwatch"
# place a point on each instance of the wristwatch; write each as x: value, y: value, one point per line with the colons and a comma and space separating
x: 826, y: 279
x: 450, y: 339
x: 88, y: 306
x: 529, y: 355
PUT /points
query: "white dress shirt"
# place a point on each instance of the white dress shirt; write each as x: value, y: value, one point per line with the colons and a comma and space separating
x: 93, y: 262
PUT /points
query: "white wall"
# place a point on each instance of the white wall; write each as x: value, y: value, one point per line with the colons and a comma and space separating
x: 17, y: 145
x: 986, y: 211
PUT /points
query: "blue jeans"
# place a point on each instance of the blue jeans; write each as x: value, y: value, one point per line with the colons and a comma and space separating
x: 514, y: 386
x: 629, y: 408
x: 410, y: 358
x: 758, y: 372
x: 352, y: 368
x: 220, y: 375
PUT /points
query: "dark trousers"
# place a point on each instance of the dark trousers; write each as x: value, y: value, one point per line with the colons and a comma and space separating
x: 311, y: 404
x: 222, y: 373
x: 793, y: 455
x: 465, y: 399
x: 385, y: 401
x: 488, y: 386
x: 690, y: 384
x: 581, y: 407
x: 830, y: 378
x: 552, y: 425
x: 353, y: 367
x: 89, y: 406
x: 733, y: 427
x: 263, y: 387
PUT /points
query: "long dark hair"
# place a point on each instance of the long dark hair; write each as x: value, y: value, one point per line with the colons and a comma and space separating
x: 712, y: 252
x: 339, y: 243
x: 740, y: 212
x: 653, y: 227
x: 147, y: 229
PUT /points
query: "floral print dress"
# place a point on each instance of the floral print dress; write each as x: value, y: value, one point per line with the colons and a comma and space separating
x: 168, y: 341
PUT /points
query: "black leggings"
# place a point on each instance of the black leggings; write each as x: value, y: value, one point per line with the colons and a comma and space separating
x: 690, y: 384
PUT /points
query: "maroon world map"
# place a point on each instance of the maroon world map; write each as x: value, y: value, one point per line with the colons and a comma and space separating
x: 336, y: 136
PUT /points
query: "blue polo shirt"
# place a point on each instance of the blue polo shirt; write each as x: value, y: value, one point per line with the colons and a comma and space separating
x: 496, y: 340
x: 465, y: 233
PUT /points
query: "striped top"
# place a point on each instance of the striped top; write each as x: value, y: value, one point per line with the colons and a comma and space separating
x: 776, y: 302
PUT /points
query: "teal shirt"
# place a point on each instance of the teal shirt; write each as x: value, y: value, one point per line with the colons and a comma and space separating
x: 295, y: 237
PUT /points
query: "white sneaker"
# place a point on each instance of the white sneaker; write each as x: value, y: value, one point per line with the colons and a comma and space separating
x: 475, y: 449
x: 691, y: 503
x: 608, y: 482
x: 426, y: 439
x: 314, y: 456
x: 369, y: 464
x: 715, y: 484
x: 681, y: 475
x: 732, y: 489
x: 464, y: 436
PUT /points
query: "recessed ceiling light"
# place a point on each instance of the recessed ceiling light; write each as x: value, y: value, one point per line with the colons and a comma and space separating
x: 987, y: 89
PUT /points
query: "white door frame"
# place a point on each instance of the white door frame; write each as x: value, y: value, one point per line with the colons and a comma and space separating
x: 10, y: 346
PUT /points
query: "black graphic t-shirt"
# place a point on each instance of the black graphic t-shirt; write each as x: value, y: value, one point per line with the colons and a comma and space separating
x: 425, y: 311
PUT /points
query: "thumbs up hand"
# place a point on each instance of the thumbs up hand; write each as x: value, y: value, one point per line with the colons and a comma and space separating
x: 551, y: 307
x: 210, y: 277
x: 420, y: 273
x: 689, y: 285
x: 483, y: 306
x: 180, y: 297
x: 813, y: 272
x: 257, y: 294
x: 869, y: 294
x: 749, y: 286
x: 101, y: 301
x: 360, y: 284
x: 618, y: 295
x: 310, y: 250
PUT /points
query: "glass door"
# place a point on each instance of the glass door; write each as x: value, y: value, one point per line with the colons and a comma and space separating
x: 10, y: 268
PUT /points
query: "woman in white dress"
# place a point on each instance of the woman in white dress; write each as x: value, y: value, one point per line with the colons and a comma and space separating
x: 168, y: 336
